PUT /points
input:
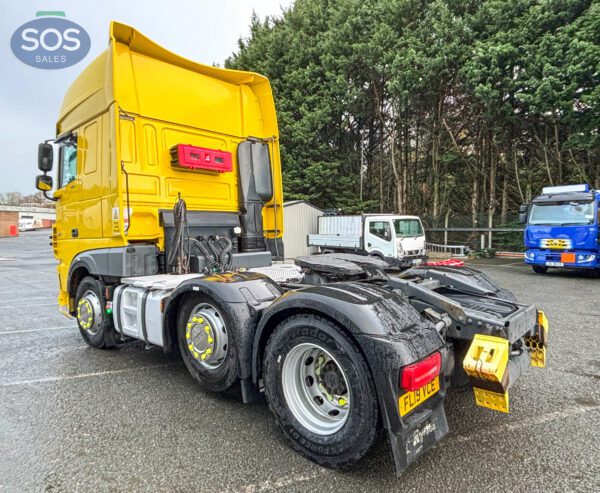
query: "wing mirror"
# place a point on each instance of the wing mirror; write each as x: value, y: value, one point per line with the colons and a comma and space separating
x: 523, y: 211
x: 43, y: 183
x: 45, y: 157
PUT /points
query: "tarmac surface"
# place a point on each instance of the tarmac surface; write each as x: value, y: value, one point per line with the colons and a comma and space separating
x: 73, y: 418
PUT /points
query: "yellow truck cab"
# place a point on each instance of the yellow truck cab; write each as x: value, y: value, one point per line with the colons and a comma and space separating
x: 118, y: 126
x: 169, y: 230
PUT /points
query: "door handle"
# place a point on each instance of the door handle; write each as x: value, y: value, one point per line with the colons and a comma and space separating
x: 75, y: 232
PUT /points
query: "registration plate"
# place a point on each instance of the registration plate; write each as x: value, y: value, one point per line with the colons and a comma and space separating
x: 554, y: 264
x: 407, y: 402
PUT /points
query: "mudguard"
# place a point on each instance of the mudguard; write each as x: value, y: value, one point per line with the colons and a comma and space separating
x: 243, y: 296
x: 391, y: 334
x: 464, y: 278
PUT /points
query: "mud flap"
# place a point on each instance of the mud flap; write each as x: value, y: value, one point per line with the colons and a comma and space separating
x: 411, y: 442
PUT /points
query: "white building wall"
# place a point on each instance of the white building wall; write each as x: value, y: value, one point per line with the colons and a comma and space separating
x: 299, y: 220
x: 35, y: 212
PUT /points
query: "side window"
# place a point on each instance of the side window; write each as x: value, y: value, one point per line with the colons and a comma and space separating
x: 381, y: 229
x: 68, y: 164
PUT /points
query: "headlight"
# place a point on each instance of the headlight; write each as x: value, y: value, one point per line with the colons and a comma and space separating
x: 529, y: 255
x: 586, y: 258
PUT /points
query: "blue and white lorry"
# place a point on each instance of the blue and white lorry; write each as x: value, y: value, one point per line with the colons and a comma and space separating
x: 562, y: 228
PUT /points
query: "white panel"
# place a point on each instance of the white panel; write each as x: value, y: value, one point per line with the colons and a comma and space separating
x: 566, y: 189
x: 340, y: 225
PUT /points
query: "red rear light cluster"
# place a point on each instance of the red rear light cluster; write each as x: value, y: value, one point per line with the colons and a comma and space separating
x: 415, y: 376
x: 200, y: 158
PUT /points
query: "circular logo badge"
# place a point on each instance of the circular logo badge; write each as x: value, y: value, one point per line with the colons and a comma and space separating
x: 50, y: 43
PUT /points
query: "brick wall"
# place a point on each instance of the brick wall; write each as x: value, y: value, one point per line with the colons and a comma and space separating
x: 8, y: 218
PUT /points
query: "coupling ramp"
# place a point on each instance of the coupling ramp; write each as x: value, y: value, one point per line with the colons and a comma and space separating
x: 489, y: 358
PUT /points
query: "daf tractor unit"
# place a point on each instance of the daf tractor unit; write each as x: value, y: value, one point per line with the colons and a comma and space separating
x: 562, y: 229
x: 169, y: 230
x: 399, y: 240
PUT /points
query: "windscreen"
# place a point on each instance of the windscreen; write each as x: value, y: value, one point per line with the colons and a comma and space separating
x: 562, y: 214
x: 407, y: 227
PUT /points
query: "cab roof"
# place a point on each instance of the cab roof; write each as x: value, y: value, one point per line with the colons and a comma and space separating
x: 111, y: 77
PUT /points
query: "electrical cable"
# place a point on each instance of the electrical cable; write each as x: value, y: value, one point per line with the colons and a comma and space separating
x: 178, y: 259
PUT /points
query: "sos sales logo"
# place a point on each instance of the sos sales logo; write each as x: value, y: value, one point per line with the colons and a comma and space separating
x: 50, y: 41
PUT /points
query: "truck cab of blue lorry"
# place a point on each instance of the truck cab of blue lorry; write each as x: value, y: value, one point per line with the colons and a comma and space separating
x: 562, y: 228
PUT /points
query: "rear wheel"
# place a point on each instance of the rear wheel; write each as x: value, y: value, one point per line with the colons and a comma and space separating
x: 539, y: 269
x: 321, y: 391
x: 206, y: 343
x: 95, y: 325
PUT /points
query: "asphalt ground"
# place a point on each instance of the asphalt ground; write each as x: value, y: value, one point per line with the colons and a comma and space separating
x: 73, y: 418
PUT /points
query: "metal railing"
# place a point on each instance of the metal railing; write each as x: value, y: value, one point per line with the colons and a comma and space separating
x: 484, y: 232
x: 454, y: 250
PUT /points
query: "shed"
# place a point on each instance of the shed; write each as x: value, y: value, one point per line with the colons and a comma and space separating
x: 300, y: 218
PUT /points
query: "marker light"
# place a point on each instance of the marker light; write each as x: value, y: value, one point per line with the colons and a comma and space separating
x: 418, y: 374
x: 566, y: 188
x: 200, y: 158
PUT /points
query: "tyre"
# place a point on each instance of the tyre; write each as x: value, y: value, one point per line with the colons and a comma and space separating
x: 95, y: 325
x: 538, y: 269
x: 321, y: 391
x: 206, y: 342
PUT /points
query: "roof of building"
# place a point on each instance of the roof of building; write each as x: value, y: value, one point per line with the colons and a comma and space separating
x: 297, y: 202
x: 20, y: 208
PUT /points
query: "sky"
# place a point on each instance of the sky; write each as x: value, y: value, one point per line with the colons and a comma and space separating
x: 205, y: 31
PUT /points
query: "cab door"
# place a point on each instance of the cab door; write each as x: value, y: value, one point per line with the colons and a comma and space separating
x: 89, y: 157
x: 379, y: 238
x: 67, y: 192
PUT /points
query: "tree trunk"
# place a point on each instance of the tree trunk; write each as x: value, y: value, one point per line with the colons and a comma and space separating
x: 504, y: 208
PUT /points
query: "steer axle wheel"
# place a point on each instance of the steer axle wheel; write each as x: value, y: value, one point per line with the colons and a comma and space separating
x: 321, y: 391
x: 95, y: 325
x: 206, y: 343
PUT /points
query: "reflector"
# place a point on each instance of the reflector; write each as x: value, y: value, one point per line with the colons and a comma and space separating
x: 415, y: 376
x: 200, y: 158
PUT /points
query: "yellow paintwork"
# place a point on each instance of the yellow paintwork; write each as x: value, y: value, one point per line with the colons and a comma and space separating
x: 492, y: 400
x: 536, y: 345
x: 130, y: 106
x: 486, y: 360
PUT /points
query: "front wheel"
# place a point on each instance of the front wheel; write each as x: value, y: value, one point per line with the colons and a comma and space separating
x: 321, y: 391
x: 95, y: 325
x: 539, y: 269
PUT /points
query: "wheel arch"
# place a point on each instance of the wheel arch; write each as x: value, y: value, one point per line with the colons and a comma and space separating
x: 77, y: 272
x: 270, y: 322
x: 242, y: 296
x: 364, y: 312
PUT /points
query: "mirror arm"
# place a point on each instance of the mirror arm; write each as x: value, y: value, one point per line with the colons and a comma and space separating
x: 53, y: 199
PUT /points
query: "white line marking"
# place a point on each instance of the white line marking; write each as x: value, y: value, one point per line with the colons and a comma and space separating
x: 27, y: 299
x: 494, y: 265
x: 277, y: 484
x: 82, y: 375
x: 22, y: 282
x: 29, y: 291
x: 36, y: 330
x: 524, y: 423
x: 28, y: 306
